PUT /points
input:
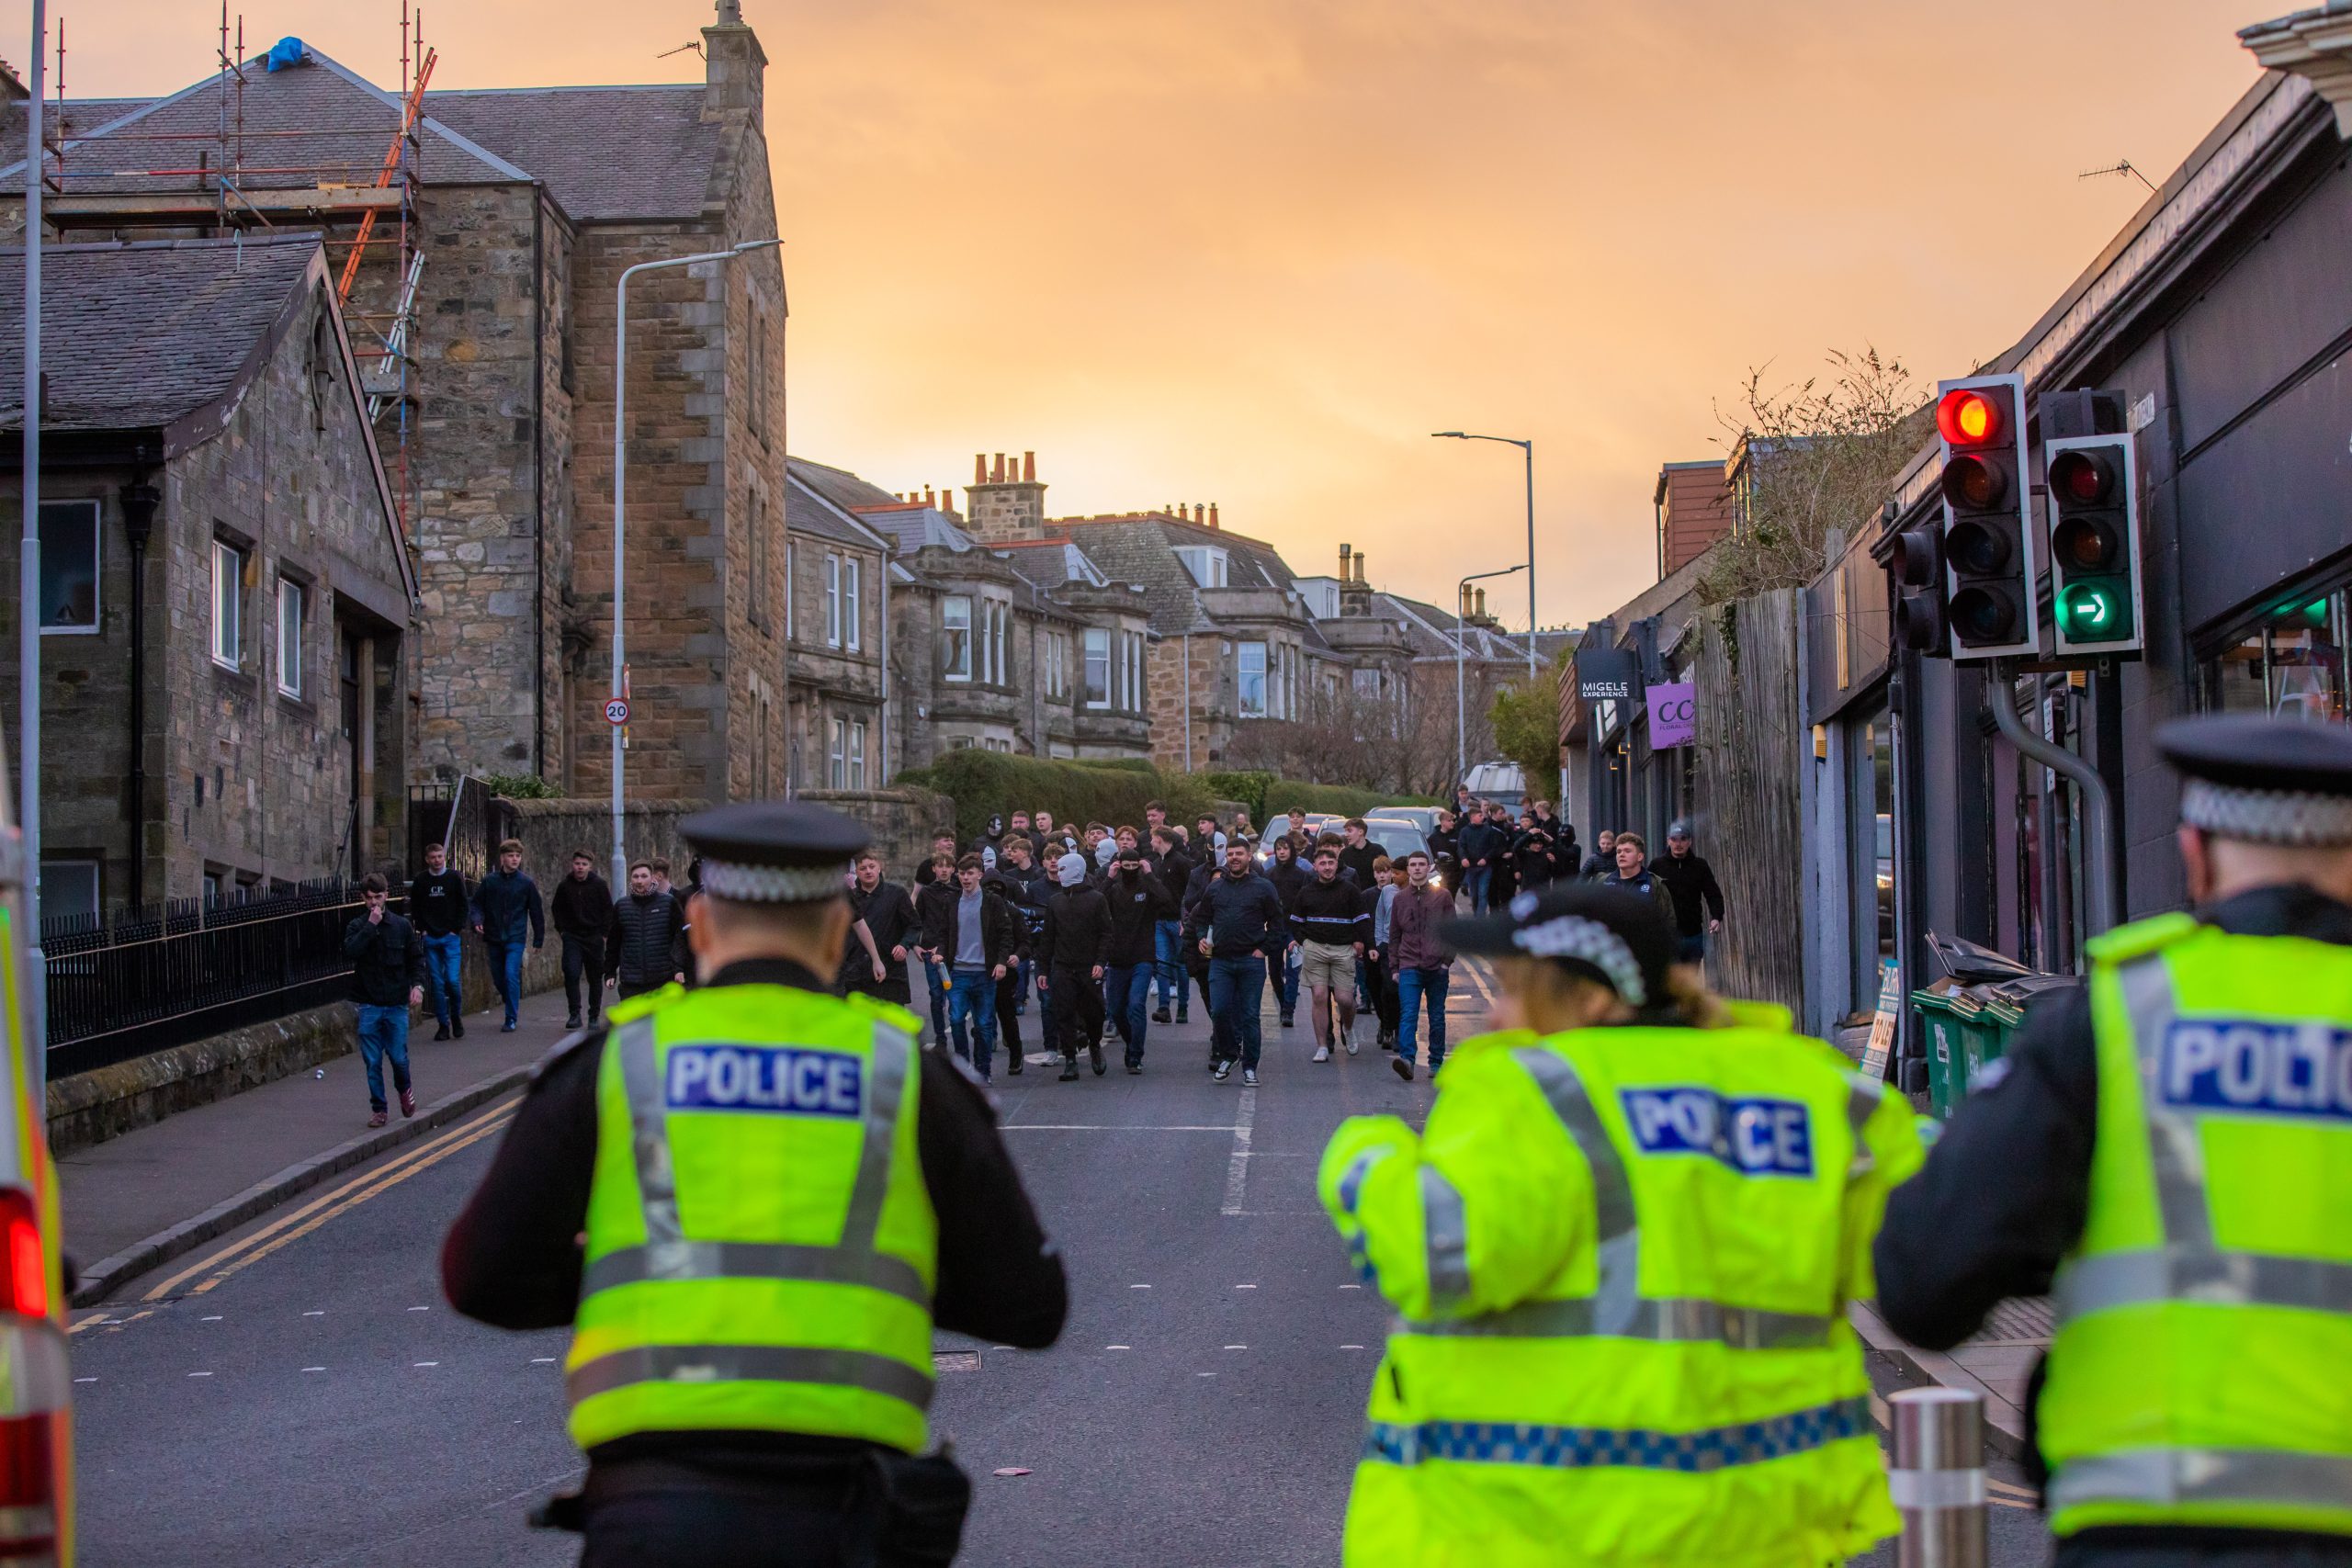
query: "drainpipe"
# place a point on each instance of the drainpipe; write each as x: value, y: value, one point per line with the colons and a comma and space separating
x: 140, y: 500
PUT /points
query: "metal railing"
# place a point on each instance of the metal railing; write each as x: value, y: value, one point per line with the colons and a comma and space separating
x: 137, y: 980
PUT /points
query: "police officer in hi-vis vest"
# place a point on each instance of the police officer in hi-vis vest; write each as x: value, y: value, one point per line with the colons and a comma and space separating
x: 2169, y: 1154
x: 1620, y: 1255
x: 753, y: 1201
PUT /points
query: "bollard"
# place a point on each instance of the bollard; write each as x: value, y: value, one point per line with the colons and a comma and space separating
x: 1938, y: 1477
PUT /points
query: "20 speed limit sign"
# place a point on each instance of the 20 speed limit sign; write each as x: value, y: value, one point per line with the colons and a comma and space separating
x: 616, y: 711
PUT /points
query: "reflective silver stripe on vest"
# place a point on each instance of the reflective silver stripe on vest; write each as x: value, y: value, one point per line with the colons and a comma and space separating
x: 1445, y: 1232
x: 758, y: 1261
x: 1673, y: 1320
x: 1616, y: 1309
x: 667, y: 1255
x: 2189, y: 1266
x: 2163, y: 1476
x: 750, y: 1363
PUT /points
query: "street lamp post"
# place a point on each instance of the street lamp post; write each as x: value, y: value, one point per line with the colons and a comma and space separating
x: 1527, y: 449
x: 620, y: 490
x: 1461, y: 702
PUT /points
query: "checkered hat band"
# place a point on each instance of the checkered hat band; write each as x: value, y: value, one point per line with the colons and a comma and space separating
x: 2267, y: 815
x: 1574, y: 936
x: 770, y: 884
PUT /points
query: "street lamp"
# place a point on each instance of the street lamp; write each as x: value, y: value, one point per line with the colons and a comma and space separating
x: 620, y: 488
x: 1527, y: 447
x: 1461, y: 704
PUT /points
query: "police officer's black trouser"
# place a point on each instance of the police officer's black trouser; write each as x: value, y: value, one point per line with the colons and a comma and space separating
x: 882, y: 1512
x: 2135, y: 1547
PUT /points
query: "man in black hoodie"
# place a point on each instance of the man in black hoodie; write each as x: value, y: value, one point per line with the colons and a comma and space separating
x: 582, y: 912
x: 1073, y: 949
x: 1140, y: 904
x: 441, y: 906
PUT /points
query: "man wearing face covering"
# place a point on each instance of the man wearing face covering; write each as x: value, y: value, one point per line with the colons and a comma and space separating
x: 1072, y: 951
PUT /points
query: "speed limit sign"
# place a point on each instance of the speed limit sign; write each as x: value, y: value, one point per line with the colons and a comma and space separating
x: 616, y: 711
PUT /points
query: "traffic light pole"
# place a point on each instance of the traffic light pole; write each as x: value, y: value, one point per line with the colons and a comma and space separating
x: 2099, y: 879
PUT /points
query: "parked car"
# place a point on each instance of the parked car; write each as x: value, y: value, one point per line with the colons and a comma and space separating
x: 1505, y: 784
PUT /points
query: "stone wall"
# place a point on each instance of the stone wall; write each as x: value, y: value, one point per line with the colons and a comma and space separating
x: 474, y: 452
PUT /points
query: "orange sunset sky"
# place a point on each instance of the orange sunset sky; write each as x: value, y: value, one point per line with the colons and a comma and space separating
x: 1253, y: 253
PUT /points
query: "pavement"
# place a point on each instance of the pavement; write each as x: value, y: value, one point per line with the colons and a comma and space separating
x: 295, y: 1391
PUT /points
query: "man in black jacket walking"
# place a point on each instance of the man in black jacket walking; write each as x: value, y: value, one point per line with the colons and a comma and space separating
x: 582, y: 912
x: 440, y: 906
x: 1073, y: 947
x: 1238, y: 921
x: 1692, y: 882
x: 1140, y: 906
x: 387, y: 979
x: 640, y: 944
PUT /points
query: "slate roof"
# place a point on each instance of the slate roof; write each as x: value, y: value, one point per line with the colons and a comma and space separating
x: 604, y: 153
x: 136, y: 336
x: 607, y: 153
x: 808, y: 512
x: 342, y: 123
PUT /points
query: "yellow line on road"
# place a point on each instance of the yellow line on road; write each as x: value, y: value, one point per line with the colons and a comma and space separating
x: 396, y: 1169
x: 443, y: 1151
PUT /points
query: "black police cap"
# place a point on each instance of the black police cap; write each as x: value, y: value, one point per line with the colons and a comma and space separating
x: 1623, y: 940
x: 2263, y: 780
x: 774, y: 852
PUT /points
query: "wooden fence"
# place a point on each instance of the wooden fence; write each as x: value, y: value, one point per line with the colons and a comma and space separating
x: 1751, y: 745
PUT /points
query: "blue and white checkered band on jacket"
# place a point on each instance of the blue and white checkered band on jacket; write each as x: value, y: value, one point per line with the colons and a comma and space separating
x: 2294, y: 818
x: 1588, y: 942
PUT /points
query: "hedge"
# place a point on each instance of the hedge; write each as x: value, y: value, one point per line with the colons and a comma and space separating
x: 990, y: 783
x: 1267, y: 795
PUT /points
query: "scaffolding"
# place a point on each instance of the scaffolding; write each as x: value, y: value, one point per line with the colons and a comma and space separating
x: 138, y: 180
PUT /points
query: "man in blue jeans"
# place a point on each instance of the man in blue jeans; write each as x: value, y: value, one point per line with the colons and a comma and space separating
x: 1423, y: 966
x: 440, y: 906
x: 506, y: 906
x: 1238, y: 918
x: 387, y: 979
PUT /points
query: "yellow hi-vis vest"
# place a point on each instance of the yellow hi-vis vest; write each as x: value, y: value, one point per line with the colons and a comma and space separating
x: 1622, y: 1259
x: 2200, y: 1371
x: 761, y: 1245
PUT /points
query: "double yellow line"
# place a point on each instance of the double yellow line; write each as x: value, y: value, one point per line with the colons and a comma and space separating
x: 217, y: 1266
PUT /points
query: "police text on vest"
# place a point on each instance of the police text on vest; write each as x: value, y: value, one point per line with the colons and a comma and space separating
x: 2280, y: 1067
x: 788, y: 1078
x: 1754, y: 1137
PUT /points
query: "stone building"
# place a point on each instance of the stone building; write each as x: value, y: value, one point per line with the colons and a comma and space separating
x: 838, y: 628
x: 501, y: 236
x: 225, y: 595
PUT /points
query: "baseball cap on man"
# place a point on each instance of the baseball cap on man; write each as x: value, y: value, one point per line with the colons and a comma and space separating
x: 1624, y: 942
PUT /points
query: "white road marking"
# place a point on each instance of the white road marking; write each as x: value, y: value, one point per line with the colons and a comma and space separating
x: 1237, y: 1174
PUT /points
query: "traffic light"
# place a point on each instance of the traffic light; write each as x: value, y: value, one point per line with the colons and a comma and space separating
x: 2094, y: 543
x: 1919, y: 620
x: 1988, y: 546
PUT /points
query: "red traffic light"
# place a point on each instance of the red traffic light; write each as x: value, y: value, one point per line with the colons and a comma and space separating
x: 2082, y: 479
x: 1966, y: 417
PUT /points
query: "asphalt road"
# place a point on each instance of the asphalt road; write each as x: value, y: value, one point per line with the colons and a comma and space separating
x: 299, y: 1396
